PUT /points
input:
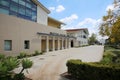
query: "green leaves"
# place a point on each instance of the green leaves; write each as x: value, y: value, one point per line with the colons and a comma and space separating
x: 2, y: 57
x: 26, y: 63
x: 93, y: 71
x: 3, y: 68
x: 8, y: 64
x: 11, y: 63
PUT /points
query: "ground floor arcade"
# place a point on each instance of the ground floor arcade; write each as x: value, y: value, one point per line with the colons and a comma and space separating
x: 53, y: 43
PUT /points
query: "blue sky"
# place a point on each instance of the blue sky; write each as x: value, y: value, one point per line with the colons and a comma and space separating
x: 78, y: 13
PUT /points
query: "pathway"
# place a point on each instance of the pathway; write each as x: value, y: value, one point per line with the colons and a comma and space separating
x: 51, y: 65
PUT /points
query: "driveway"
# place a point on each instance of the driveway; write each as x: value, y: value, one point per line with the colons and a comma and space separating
x: 51, y: 65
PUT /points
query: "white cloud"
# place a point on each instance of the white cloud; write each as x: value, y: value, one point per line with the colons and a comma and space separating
x: 91, y: 24
x: 51, y: 8
x: 69, y: 19
x: 60, y: 8
x: 110, y: 7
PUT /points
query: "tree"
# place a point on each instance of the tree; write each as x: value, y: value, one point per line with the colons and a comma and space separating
x: 115, y: 33
x: 92, y: 39
x: 110, y: 25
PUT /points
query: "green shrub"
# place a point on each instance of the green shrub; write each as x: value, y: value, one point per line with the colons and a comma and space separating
x: 37, y: 53
x: 2, y: 57
x: 26, y: 63
x: 93, y: 71
x: 108, y: 57
x: 8, y: 64
x: 22, y: 55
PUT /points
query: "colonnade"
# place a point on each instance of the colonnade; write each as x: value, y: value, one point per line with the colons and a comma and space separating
x: 52, y: 43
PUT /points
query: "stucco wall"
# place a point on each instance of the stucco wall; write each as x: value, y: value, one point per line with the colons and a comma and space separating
x: 42, y: 16
x: 18, y: 30
x: 53, y: 23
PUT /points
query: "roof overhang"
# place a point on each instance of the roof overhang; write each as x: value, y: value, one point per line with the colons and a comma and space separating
x: 71, y: 30
x: 42, y: 6
x: 57, y: 21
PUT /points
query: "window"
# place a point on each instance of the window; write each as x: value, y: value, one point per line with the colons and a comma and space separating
x: 34, y: 17
x: 22, y: 10
x: 8, y: 45
x: 25, y: 9
x: 26, y: 44
x: 4, y: 3
x: 4, y: 11
x: 28, y: 0
x: 15, y: 1
x: 28, y: 12
x: 28, y: 5
x: 34, y: 8
x: 22, y: 2
x: 14, y: 7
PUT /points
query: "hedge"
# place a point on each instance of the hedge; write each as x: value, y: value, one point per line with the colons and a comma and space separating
x: 93, y: 71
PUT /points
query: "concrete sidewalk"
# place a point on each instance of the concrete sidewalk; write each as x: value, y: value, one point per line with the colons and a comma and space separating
x: 51, y: 65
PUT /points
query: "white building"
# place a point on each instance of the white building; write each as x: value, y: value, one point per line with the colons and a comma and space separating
x: 81, y: 36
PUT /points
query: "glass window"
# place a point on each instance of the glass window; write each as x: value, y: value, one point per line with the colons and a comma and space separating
x: 22, y: 10
x: 34, y: 8
x: 28, y: 0
x: 34, y: 17
x: 22, y: 2
x: 13, y: 13
x: 14, y: 7
x: 15, y: 1
x: 4, y: 11
x: 28, y: 5
x: 26, y: 44
x: 28, y: 12
x: 4, y: 3
x: 8, y: 45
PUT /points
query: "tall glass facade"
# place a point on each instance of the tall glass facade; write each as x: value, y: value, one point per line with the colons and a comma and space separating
x: 20, y: 8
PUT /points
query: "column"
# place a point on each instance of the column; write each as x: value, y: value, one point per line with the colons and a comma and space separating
x: 53, y: 44
x: 69, y: 43
x: 40, y: 42
x: 47, y: 43
x: 66, y: 43
x: 58, y: 44
x: 62, y: 43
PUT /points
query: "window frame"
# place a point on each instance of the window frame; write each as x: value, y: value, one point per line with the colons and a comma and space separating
x: 26, y: 44
x: 10, y: 45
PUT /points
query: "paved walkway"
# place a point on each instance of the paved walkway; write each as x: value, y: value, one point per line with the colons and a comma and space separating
x: 52, y: 64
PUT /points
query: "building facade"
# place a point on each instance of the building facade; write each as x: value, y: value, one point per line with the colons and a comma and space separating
x: 81, y: 36
x: 26, y: 27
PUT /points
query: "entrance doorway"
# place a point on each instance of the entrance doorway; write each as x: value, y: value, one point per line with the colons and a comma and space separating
x: 72, y: 45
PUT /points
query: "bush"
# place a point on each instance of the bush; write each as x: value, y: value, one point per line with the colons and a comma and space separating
x: 37, y: 53
x: 8, y: 64
x: 108, y: 57
x: 22, y: 55
x: 111, y: 55
x: 2, y: 57
x: 93, y: 71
